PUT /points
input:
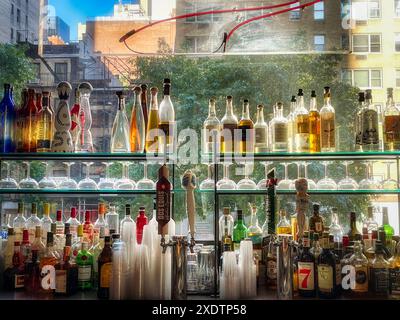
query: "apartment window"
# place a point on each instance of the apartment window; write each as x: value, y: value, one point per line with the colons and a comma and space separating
x: 374, y: 8
x: 295, y: 14
x: 61, y: 71
x: 189, y: 10
x: 366, y: 43
x: 18, y: 36
x: 345, y: 41
x: 363, y: 78
x: 397, y: 42
x: 319, y: 11
x: 12, y: 35
x: 365, y: 9
x: 12, y: 13
x: 26, y: 22
x: 319, y: 42
x: 398, y: 78
x: 18, y: 16
x: 397, y: 8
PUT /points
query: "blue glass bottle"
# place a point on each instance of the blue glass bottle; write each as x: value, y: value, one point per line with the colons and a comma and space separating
x: 7, y: 117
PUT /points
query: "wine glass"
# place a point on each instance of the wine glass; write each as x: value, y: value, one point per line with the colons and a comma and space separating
x: 285, y: 183
x: 106, y: 183
x: 389, y: 183
x: 369, y: 182
x: 125, y: 183
x: 47, y: 182
x: 68, y: 183
x: 208, y: 184
x: 28, y: 182
x: 262, y: 185
x: 326, y: 183
x: 8, y: 182
x: 292, y: 185
x: 347, y: 183
x: 87, y: 183
x: 246, y: 183
x: 311, y: 183
x: 225, y: 183
x: 145, y: 183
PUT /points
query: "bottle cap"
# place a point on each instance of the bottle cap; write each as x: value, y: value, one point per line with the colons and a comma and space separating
x: 25, y: 235
x: 212, y: 100
x: 226, y: 211
x: 142, y: 208
x: 80, y: 230
x: 112, y: 231
x: 144, y: 87
x: 102, y: 208
x: 316, y: 207
x: 167, y: 81
x: 46, y: 209
x: 73, y: 212
x: 361, y: 97
x: 313, y: 94
x: 245, y: 101
x: 300, y: 93
x: 115, y: 236
x: 127, y: 209
x: 59, y: 215
x: 229, y: 98
x: 137, y: 90
x: 154, y: 91
x: 293, y: 99
x: 120, y: 94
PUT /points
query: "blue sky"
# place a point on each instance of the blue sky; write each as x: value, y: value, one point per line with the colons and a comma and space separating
x: 74, y: 11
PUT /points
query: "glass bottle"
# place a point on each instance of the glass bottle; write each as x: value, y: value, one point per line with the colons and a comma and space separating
x: 246, y: 127
x: 379, y: 272
x: 141, y: 221
x: 328, y: 129
x: 73, y: 223
x: 84, y: 142
x: 59, y: 224
x: 101, y: 222
x: 19, y: 222
x: 77, y: 243
x: 292, y: 124
x: 315, y: 124
x: 389, y: 231
x: 326, y: 270
x: 279, y: 130
x: 137, y: 126
x: 358, y: 124
x: 50, y: 258
x: 302, y: 133
x: 370, y: 126
x: 394, y: 273
x: 32, y: 222
x: 45, y: 125
x: 229, y: 124
x: 38, y: 244
x: 354, y: 234
x: 66, y: 272
x: 163, y: 198
x: 95, y: 250
x: 226, y: 220
x: 112, y: 219
x: 391, y: 123
x: 261, y: 132
x: 360, y: 263
x: 8, y: 250
x: 75, y: 123
x: 316, y: 222
x: 87, y: 228
x: 26, y: 247
x: 7, y: 119
x: 30, y: 123
x: 20, y: 121
x: 369, y: 226
x: 254, y: 232
x: 120, y: 142
x: 14, y: 275
x: 143, y: 102
x: 239, y: 230
x: 105, y: 269
x: 46, y: 221
x: 128, y: 228
x: 336, y: 230
x: 316, y: 248
x: 211, y: 128
x: 39, y: 97
x: 306, y: 269
x: 152, y: 125
x: 167, y: 119
x: 84, y: 261
x: 283, y: 226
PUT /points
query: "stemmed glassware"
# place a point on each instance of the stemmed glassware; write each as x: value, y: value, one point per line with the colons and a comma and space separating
x: 369, y: 182
x: 145, y: 183
x: 225, y: 183
x: 326, y: 183
x: 292, y: 185
x: 208, y: 184
x: 47, y: 182
x: 125, y: 183
x: 262, y: 184
x: 8, y: 182
x: 311, y: 183
x: 286, y: 182
x: 28, y: 182
x: 87, y: 183
x: 347, y: 183
x: 246, y: 183
x: 389, y: 183
x: 106, y: 183
x: 68, y: 183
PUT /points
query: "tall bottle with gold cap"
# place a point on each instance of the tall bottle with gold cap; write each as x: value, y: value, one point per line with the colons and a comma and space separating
x: 137, y: 131
x: 246, y: 127
x: 152, y: 124
x: 315, y: 125
x: 211, y: 129
x: 328, y: 130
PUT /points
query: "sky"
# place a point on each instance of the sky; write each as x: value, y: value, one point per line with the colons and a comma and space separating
x: 74, y: 11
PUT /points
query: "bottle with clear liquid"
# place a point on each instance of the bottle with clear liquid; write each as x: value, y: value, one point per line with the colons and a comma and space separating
x: 19, y: 222
x: 137, y: 127
x: 328, y: 129
x: 32, y: 222
x: 46, y: 221
x: 370, y: 224
x: 120, y: 142
x: 292, y: 124
x: 370, y: 125
x: 167, y: 119
x: 335, y: 229
x: 229, y: 124
x: 279, y: 130
x: 7, y: 119
x: 211, y: 128
x: 152, y: 125
x: 73, y: 223
x: 358, y: 124
x: 391, y: 123
x: 261, y: 132
x: 254, y: 232
x: 246, y: 127
x: 226, y: 220
x: 315, y: 125
x: 101, y: 222
x: 84, y: 142
x: 302, y: 133
x: 128, y: 227
x: 112, y: 219
x: 45, y: 126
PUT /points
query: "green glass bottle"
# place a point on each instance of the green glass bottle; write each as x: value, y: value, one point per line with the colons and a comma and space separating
x: 239, y: 230
x: 84, y: 260
x: 388, y: 228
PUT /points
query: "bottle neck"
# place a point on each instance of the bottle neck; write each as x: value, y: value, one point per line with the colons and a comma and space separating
x: 229, y: 108
x: 300, y: 102
x: 313, y: 104
x: 390, y: 101
x: 279, y: 112
x: 7, y: 93
x: 167, y: 90
x: 138, y: 100
x: 260, y: 115
x: 211, y: 110
x: 154, y: 102
x: 245, y: 111
x: 385, y: 218
x: 327, y: 101
x: 121, y: 104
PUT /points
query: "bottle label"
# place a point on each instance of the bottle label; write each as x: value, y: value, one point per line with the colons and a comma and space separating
x: 60, y: 230
x: 318, y: 227
x: 325, y: 278
x: 84, y: 273
x: 306, y: 275
x: 392, y: 128
x: 361, y: 284
x: 271, y: 270
x: 61, y: 281
x: 328, y: 133
x: 105, y: 275
x: 281, y: 133
x: 380, y: 280
x: 395, y: 281
x: 302, y: 142
x: 338, y: 272
x: 261, y: 135
x: 19, y: 281
x: 370, y: 127
x: 228, y: 137
x: 163, y: 197
x: 43, y: 144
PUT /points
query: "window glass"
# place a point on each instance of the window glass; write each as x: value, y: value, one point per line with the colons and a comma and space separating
x: 361, y: 78
x: 397, y: 42
x: 360, y: 43
x: 319, y: 11
x: 375, y: 43
x: 319, y: 43
x: 376, y: 79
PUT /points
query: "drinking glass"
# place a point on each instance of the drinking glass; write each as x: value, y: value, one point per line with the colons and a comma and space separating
x: 347, y: 183
x: 47, y: 182
x: 389, y: 183
x: 68, y: 183
x: 369, y: 183
x: 311, y: 183
x: 292, y: 185
x: 225, y: 183
x: 106, y: 183
x: 285, y: 183
x: 87, y: 183
x: 125, y: 183
x: 246, y: 183
x: 262, y: 185
x: 326, y: 183
x: 145, y: 183
x: 208, y: 184
x: 28, y: 182
x: 8, y: 182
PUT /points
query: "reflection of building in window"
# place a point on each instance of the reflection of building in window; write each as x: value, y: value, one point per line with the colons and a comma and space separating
x: 363, y: 78
x: 319, y: 11
x: 366, y: 43
x: 295, y: 14
x: 61, y: 70
x: 397, y: 78
x: 319, y: 42
x: 57, y: 30
x: 365, y: 9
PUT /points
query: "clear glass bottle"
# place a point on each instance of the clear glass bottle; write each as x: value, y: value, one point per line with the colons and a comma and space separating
x: 379, y: 272
x: 369, y: 223
x: 46, y: 221
x: 32, y: 222
x: 73, y: 223
x: 246, y: 127
x: 137, y: 126
x: 328, y: 124
x: 283, y: 226
x: 19, y: 222
x: 45, y: 126
x: 279, y: 130
x: 120, y: 142
x: 261, y: 132
x: 292, y: 124
x: 360, y: 263
x: 391, y: 123
x: 128, y: 228
x: 152, y: 125
x: 84, y: 142
x: 38, y: 244
x: 370, y: 125
x: 315, y: 124
x: 302, y: 133
x: 358, y: 123
x: 112, y: 217
x: 7, y: 119
x: 254, y: 232
x: 394, y: 274
x: 336, y: 229
x: 226, y: 220
x: 101, y: 222
x: 229, y: 124
x: 167, y: 119
x: 77, y: 243
x: 211, y: 129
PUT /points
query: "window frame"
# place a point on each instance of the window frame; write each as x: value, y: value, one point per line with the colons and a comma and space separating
x: 397, y: 77
x: 315, y: 44
x: 396, y: 9
x: 368, y: 35
x: 368, y: 9
x: 396, y: 34
x: 295, y: 15
x: 319, y: 10
x: 370, y: 71
x: 58, y: 74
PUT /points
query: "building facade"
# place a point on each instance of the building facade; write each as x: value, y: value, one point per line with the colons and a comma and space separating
x: 56, y: 30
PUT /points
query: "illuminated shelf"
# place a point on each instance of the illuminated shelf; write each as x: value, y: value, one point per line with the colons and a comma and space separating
x: 76, y: 192
x: 293, y: 192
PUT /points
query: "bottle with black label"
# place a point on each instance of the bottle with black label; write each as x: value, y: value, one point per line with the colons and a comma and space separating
x: 360, y: 263
x: 394, y: 274
x: 379, y: 272
x: 326, y: 270
x: 306, y: 270
x: 370, y: 125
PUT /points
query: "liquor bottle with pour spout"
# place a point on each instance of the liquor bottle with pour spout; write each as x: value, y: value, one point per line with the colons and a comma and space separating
x: 84, y: 142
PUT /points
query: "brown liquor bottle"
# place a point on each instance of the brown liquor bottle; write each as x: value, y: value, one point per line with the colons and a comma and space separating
x: 306, y: 270
x: 163, y: 200
x: 30, y: 124
x: 354, y: 234
x: 315, y: 125
x: 246, y: 127
x: 105, y: 270
x: 316, y: 223
x: 66, y: 272
x: 14, y: 276
x: 143, y: 98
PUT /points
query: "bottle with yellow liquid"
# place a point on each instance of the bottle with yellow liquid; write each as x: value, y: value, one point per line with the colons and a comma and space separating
x: 283, y: 226
x: 246, y: 127
x: 315, y: 125
x: 302, y: 134
x: 328, y: 130
x: 167, y: 119
x: 229, y: 124
x: 152, y: 124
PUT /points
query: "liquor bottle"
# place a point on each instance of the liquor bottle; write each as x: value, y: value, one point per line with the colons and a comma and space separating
x: 19, y: 222
x: 239, y: 230
x: 13, y: 277
x: 379, y: 272
x: 229, y: 124
x: 87, y: 228
x: 143, y: 102
x: 128, y: 227
x: 84, y: 261
x: 26, y: 248
x: 389, y: 231
x: 7, y: 119
x: 141, y: 221
x: 279, y: 130
x: 77, y: 244
x: 254, y: 232
x: 370, y: 126
x: 316, y: 222
x: 369, y: 223
x: 32, y: 222
x: 336, y: 230
x: 328, y: 130
x: 261, y: 132
x: 105, y: 269
x: 394, y: 274
x: 120, y: 142
x: 316, y: 249
x: 326, y: 270
x: 360, y: 263
x: 38, y: 244
x: 84, y: 143
x: 62, y: 140
x: 354, y: 234
x: 211, y: 129
x: 167, y: 119
x: 73, y: 223
x: 50, y: 259
x: 101, y: 222
x: 152, y: 124
x: 391, y: 123
x: 20, y: 120
x: 246, y: 127
x: 45, y: 125
x: 292, y: 124
x: 66, y: 272
x: 338, y: 265
x: 112, y: 219
x: 385, y: 244
x: 226, y: 237
x: 8, y: 250
x: 302, y: 133
x: 283, y: 226
x: 226, y: 220
x: 30, y: 124
x: 163, y: 198
x: 32, y: 279
x: 46, y: 221
x: 358, y: 124
x: 39, y: 97
x: 95, y: 250
x: 306, y: 269
x: 315, y: 124
x: 137, y: 127
x: 75, y: 123
x: 59, y: 224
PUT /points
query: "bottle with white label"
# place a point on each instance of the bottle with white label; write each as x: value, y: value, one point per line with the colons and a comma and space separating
x: 261, y: 131
x: 380, y: 272
x: 302, y: 119
x: 326, y: 270
x: 279, y: 130
x: 370, y: 125
x: 84, y: 260
x: 306, y: 269
x: 360, y: 264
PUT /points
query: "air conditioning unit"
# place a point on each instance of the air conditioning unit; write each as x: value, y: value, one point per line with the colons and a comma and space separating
x: 361, y: 22
x: 361, y: 57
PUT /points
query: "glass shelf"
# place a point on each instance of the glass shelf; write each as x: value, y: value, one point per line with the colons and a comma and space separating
x: 75, y: 192
x: 293, y: 192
